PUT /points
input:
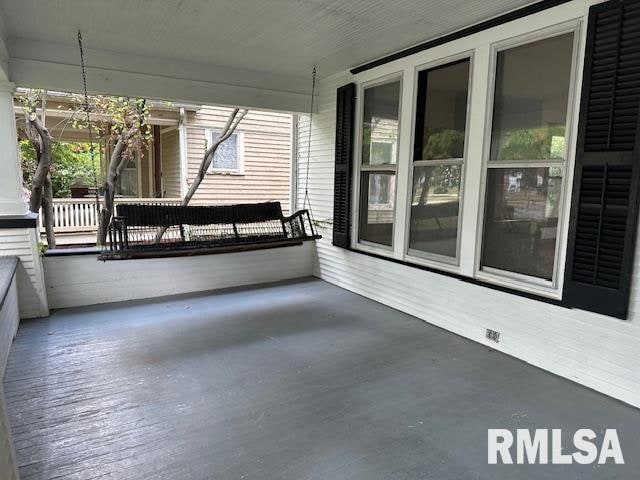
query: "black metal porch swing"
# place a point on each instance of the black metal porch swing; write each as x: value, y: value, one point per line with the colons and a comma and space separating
x: 160, y: 230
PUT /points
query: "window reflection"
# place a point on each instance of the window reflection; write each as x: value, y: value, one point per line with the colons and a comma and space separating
x: 443, y: 94
x: 530, y: 104
x: 380, y: 124
x: 377, y: 207
x: 434, y: 209
x: 522, y: 219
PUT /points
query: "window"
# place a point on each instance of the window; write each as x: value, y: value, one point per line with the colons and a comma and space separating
x: 527, y: 157
x: 380, y: 131
x: 437, y: 160
x: 229, y: 156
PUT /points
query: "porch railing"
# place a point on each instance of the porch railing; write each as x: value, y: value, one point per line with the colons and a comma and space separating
x: 75, y: 215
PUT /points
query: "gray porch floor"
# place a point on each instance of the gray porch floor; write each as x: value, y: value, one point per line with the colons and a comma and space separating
x: 298, y: 381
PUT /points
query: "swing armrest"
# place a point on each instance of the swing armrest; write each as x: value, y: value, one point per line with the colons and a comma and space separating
x: 301, y: 222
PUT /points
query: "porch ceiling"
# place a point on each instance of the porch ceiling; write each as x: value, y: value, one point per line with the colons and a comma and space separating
x: 272, y: 44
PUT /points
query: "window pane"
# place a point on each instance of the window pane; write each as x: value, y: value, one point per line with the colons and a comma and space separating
x: 381, y: 124
x: 226, y: 156
x: 442, y: 97
x: 128, y: 185
x: 377, y: 202
x: 530, y: 105
x: 434, y: 209
x: 521, y: 220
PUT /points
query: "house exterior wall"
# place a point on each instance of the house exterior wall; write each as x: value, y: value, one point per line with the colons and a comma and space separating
x: 267, y: 157
x: 23, y: 243
x: 76, y: 280
x: 598, y: 351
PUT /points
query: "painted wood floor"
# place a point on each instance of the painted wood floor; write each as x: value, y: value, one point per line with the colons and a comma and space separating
x: 296, y: 381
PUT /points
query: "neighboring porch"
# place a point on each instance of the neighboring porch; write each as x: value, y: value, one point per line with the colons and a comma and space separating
x: 292, y: 380
x: 76, y: 219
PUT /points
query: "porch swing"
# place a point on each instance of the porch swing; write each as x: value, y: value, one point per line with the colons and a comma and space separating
x: 160, y: 230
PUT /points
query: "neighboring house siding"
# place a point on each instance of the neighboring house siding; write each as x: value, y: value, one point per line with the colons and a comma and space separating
x: 597, y: 351
x: 267, y: 157
x: 170, y: 158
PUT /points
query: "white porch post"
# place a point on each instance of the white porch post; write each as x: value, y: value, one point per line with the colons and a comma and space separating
x: 184, y: 160
x: 19, y: 235
x: 11, y: 198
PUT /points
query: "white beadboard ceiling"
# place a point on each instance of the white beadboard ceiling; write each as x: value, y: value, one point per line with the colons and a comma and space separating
x: 284, y: 37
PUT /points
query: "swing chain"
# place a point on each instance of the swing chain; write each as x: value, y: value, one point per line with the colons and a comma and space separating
x: 86, y: 109
x: 307, y: 200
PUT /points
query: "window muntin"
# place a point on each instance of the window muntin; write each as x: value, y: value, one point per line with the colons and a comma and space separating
x: 522, y: 204
x: 228, y: 155
x: 438, y: 158
x: 379, y: 149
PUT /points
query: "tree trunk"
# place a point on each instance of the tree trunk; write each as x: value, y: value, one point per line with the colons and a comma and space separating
x: 47, y: 209
x: 41, y: 188
x: 43, y: 142
x: 230, y: 127
x: 116, y: 164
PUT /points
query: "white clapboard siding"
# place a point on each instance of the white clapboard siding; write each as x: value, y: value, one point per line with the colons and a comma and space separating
x: 9, y: 319
x: 595, y: 350
x: 77, y: 280
x: 23, y: 243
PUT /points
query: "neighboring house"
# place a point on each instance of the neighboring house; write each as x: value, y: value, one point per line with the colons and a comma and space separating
x: 253, y: 165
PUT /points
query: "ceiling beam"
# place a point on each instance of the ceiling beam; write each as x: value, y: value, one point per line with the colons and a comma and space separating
x: 56, y: 67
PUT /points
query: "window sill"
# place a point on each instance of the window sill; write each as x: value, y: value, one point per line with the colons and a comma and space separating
x: 553, y: 297
x: 225, y: 172
x: 443, y: 263
x: 375, y: 248
x: 504, y: 279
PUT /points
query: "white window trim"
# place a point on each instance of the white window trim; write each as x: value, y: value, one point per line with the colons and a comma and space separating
x: 549, y: 288
x: 566, y: 17
x: 364, y: 245
x: 240, y: 150
x: 417, y: 256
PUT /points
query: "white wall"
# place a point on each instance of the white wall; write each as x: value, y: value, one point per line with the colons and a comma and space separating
x: 9, y: 320
x: 595, y: 350
x: 8, y: 327
x: 23, y: 243
x: 82, y: 280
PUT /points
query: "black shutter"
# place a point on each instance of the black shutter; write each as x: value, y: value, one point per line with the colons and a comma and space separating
x: 345, y: 105
x: 604, y: 206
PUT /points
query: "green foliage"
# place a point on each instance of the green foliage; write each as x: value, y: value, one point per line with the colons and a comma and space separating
x: 71, y: 162
x: 115, y: 116
x: 443, y: 144
x: 543, y: 143
x: 30, y: 99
